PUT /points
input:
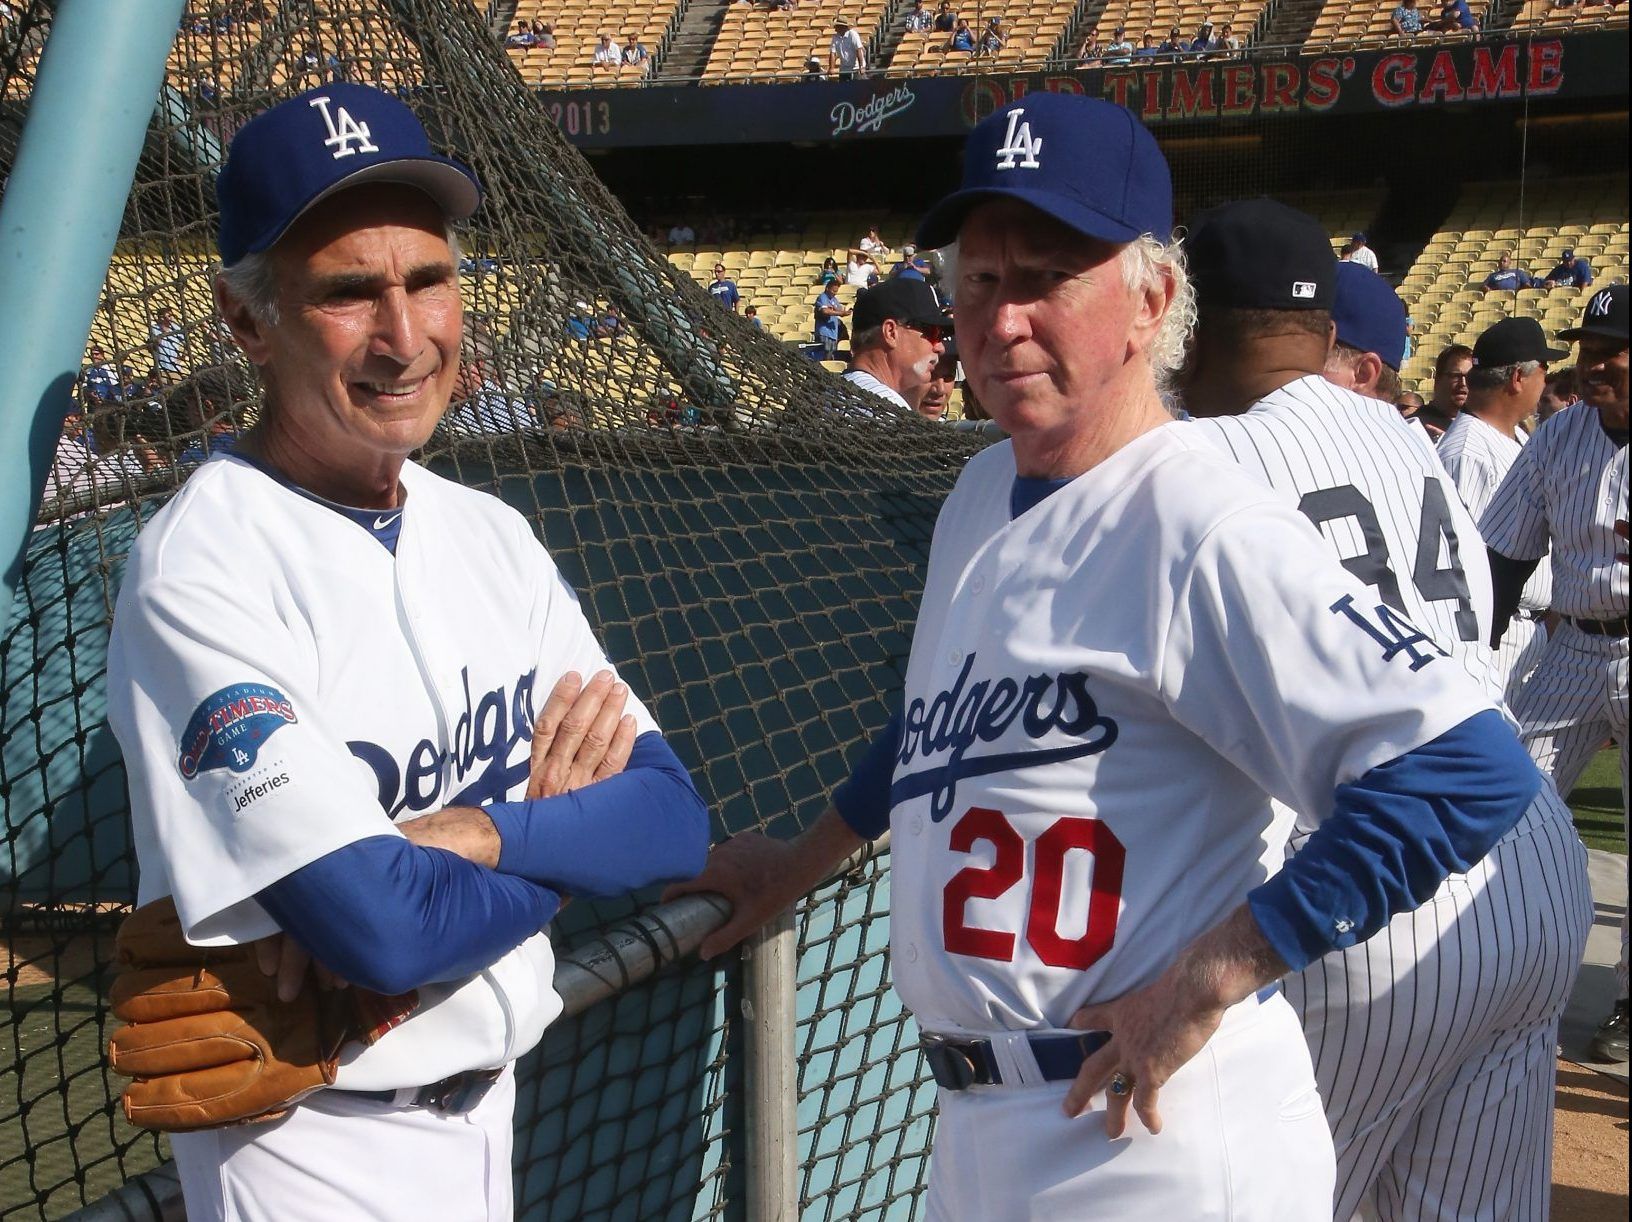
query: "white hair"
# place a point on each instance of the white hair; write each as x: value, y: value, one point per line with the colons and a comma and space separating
x: 1489, y: 377
x: 253, y: 280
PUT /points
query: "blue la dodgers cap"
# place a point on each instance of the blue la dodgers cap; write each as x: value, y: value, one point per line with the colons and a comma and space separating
x: 1088, y: 163
x: 286, y: 159
x: 1369, y: 314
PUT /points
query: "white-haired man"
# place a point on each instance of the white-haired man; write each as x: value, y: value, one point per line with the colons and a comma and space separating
x: 1125, y: 648
x: 323, y: 675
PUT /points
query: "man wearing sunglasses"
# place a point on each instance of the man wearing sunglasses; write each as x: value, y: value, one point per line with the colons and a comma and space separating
x: 900, y: 332
x: 724, y: 290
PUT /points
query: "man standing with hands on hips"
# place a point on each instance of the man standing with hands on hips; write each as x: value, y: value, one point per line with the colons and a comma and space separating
x: 325, y: 675
x: 1564, y: 494
x: 1126, y: 649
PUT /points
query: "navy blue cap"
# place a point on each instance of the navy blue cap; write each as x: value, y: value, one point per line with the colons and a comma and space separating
x: 1088, y: 163
x: 1260, y: 254
x: 1369, y: 314
x: 286, y: 159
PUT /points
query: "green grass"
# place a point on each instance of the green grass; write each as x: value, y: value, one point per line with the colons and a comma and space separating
x: 1597, y: 803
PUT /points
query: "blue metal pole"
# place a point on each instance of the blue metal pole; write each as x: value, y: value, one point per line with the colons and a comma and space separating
x: 59, y: 218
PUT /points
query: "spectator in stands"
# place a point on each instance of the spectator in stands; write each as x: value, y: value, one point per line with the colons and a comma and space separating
x: 1455, y: 17
x: 101, y: 380
x: 963, y: 38
x: 813, y: 70
x: 1228, y: 41
x: 168, y: 345
x: 920, y: 20
x: 1507, y: 278
x: 582, y: 323
x: 751, y: 313
x: 1407, y: 19
x: 607, y: 55
x: 846, y: 54
x: 830, y: 272
x: 634, y: 54
x: 1148, y: 48
x: 544, y: 36
x: 1092, y: 53
x: 829, y: 312
x: 1356, y: 251
x: 911, y: 266
x: 1450, y: 389
x: 206, y: 92
x: 872, y: 244
x: 1202, y: 43
x: 522, y: 36
x: 900, y: 329
x: 1571, y: 272
x: 992, y: 38
x: 945, y: 19
x: 1121, y: 50
x: 681, y: 234
x: 860, y: 272
x: 724, y: 290
x: 1173, y: 45
x: 1409, y: 403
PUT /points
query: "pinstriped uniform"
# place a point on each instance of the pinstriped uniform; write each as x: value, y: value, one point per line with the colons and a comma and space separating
x: 1476, y: 456
x: 1566, y: 489
x: 1433, y: 1041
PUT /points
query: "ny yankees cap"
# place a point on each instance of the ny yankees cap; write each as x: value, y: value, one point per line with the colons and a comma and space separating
x: 912, y: 302
x: 1512, y: 342
x: 286, y: 159
x: 1260, y: 254
x: 1605, y: 315
x: 1088, y: 163
x: 1369, y: 314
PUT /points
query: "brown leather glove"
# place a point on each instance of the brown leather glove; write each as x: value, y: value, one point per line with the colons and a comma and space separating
x: 206, y: 1039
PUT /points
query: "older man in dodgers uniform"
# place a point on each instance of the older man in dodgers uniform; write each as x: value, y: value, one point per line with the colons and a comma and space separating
x: 319, y: 642
x: 1126, y: 649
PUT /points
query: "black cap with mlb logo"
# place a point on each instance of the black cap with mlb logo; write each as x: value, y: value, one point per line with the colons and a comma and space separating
x: 1259, y: 254
x: 1605, y: 316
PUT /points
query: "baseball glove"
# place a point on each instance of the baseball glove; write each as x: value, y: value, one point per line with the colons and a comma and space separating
x: 206, y: 1040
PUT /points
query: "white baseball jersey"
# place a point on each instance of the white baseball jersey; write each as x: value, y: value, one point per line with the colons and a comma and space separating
x: 1102, y: 697
x: 283, y: 686
x: 1559, y: 494
x: 1409, y: 1029
x: 1477, y: 455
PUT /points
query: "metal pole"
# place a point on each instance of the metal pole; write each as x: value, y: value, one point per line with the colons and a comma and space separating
x: 769, y: 959
x: 59, y: 218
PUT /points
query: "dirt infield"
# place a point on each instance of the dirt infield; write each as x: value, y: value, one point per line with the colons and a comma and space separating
x: 1589, y: 1147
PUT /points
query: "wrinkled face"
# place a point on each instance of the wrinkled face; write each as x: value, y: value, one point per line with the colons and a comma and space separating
x: 1601, y: 377
x: 1046, y: 321
x: 937, y: 394
x: 1451, y: 383
x: 917, y: 351
x: 364, y: 355
x: 1530, y: 387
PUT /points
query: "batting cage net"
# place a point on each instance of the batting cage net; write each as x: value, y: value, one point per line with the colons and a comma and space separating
x: 747, y: 534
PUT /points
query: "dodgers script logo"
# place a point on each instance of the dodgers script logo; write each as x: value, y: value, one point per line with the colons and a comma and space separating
x: 484, y: 737
x: 956, y: 719
x: 343, y: 129
x: 229, y: 728
x: 1018, y: 143
x: 873, y: 114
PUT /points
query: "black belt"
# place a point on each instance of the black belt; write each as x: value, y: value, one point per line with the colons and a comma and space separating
x: 1602, y: 627
x: 960, y: 1064
x: 456, y: 1093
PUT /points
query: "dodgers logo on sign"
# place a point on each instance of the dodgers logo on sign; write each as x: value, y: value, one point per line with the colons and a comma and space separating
x: 343, y: 130
x: 230, y: 727
x: 1018, y: 143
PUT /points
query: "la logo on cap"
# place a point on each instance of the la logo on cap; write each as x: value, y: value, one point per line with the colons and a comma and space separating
x: 343, y: 129
x: 1598, y: 307
x: 1019, y: 144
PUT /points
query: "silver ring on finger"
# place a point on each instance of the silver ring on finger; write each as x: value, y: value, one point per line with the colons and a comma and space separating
x: 1120, y: 1084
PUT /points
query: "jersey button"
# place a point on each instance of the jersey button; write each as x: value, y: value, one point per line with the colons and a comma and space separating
x: 912, y: 953
x: 917, y: 825
x: 978, y: 584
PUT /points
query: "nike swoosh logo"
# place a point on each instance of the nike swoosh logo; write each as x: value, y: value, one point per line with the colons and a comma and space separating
x: 384, y: 520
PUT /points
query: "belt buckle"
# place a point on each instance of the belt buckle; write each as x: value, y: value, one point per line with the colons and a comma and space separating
x: 458, y: 1092
x: 952, y: 1063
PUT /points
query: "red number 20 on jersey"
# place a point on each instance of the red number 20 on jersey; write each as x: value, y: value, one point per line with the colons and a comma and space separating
x: 1008, y: 869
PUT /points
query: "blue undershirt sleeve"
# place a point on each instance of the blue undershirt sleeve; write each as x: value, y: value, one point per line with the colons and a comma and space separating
x: 646, y: 825
x: 863, y: 801
x: 1393, y: 837
x: 391, y: 916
